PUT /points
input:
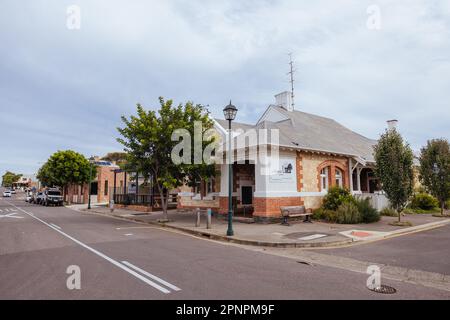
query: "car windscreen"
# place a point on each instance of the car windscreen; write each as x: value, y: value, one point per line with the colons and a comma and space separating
x: 54, y: 193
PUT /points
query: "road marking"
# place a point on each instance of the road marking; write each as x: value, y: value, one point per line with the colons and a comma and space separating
x: 151, y: 276
x: 10, y: 215
x: 120, y: 228
x: 114, y: 262
x: 128, y: 234
x: 55, y: 226
x: 313, y: 236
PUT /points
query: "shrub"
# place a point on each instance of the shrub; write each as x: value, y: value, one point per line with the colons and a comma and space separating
x: 388, y: 212
x: 335, y: 197
x: 348, y: 212
x: 318, y: 214
x: 368, y: 213
x: 324, y: 214
x: 424, y: 201
x: 447, y: 204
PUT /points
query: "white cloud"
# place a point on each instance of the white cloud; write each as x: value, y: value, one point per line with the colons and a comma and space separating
x: 66, y: 81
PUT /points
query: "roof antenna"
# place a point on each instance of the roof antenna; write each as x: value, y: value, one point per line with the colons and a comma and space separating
x: 291, y: 73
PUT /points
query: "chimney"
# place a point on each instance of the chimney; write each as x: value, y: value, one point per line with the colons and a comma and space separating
x: 284, y: 99
x: 392, y: 124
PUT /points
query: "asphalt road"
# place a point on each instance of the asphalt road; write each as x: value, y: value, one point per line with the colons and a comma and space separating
x: 426, y: 250
x: 123, y: 260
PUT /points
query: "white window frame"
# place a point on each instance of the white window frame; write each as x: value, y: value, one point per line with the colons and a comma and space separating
x: 338, y: 177
x: 324, y: 179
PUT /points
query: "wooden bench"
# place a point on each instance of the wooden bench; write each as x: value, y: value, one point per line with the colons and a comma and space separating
x: 294, y: 211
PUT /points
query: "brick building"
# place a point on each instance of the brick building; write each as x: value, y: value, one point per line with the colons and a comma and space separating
x: 101, y: 187
x: 312, y: 153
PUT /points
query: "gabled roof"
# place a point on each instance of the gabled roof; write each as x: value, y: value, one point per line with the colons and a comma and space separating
x: 312, y: 132
x: 305, y: 131
x: 234, y: 125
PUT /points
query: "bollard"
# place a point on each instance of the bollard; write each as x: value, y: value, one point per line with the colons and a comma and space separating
x: 208, y: 219
x: 111, y: 205
x: 197, y: 222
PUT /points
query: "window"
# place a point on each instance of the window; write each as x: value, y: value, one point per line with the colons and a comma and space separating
x: 106, y: 187
x: 338, y: 177
x: 324, y: 179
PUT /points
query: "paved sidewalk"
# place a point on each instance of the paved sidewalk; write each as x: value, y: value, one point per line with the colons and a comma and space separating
x: 298, y: 234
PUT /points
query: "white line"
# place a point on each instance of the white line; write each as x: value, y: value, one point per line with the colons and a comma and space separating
x: 128, y: 234
x: 167, y: 284
x: 114, y: 262
x: 55, y: 225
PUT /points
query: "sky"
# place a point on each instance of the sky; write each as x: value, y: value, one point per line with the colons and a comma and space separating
x: 359, y: 62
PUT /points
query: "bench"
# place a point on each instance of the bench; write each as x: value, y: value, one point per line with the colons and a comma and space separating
x: 294, y: 211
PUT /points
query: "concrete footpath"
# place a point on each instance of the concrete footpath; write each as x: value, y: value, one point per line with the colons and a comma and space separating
x: 297, y: 235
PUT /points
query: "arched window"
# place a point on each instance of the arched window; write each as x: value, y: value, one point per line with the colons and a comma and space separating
x: 324, y: 179
x: 338, y: 177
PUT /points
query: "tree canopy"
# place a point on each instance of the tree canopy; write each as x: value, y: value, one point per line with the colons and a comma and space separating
x: 148, y: 138
x: 9, y: 178
x: 120, y: 158
x: 64, y: 168
x: 435, y: 169
x: 394, y: 168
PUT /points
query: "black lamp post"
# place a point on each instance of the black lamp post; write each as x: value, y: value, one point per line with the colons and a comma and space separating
x: 230, y: 113
x: 91, y: 159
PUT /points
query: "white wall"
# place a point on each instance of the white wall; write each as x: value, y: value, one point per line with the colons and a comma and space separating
x: 273, y: 181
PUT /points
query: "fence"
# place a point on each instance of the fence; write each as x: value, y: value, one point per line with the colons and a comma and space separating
x: 377, y: 199
x: 150, y: 200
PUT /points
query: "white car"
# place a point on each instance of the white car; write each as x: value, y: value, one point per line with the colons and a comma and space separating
x: 28, y: 197
x: 7, y: 193
x: 13, y: 191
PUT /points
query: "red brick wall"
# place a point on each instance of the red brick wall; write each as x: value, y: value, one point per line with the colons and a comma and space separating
x: 270, y: 207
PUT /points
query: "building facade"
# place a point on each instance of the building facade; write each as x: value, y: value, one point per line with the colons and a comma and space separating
x: 300, y: 158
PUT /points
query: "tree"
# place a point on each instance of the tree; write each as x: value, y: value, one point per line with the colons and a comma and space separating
x: 435, y: 169
x: 9, y: 178
x: 120, y: 158
x: 64, y: 168
x: 394, y: 168
x: 148, y: 140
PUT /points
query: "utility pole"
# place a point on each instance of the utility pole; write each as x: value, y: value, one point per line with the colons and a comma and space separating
x: 291, y: 74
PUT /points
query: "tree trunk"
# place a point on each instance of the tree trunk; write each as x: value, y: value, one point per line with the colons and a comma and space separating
x: 442, y: 208
x: 163, y: 202
x: 399, y: 215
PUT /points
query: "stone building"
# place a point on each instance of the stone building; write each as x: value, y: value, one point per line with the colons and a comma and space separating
x: 312, y: 154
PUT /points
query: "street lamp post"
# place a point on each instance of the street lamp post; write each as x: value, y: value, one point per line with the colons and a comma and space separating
x: 230, y: 113
x: 91, y: 159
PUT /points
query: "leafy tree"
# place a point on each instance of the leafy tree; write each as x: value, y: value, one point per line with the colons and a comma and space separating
x: 394, y: 168
x: 9, y: 178
x: 64, y: 168
x: 120, y: 158
x: 435, y: 169
x: 147, y: 138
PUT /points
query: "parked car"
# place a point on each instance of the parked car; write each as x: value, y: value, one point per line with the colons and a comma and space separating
x: 7, y: 193
x: 13, y: 191
x: 39, y: 197
x: 28, y: 197
x: 52, y: 196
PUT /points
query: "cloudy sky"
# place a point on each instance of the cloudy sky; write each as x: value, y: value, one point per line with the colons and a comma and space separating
x: 63, y: 88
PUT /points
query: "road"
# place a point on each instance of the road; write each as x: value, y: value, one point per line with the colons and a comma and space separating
x: 426, y: 250
x: 124, y: 260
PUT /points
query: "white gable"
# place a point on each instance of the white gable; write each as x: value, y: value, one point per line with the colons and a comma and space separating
x: 272, y: 115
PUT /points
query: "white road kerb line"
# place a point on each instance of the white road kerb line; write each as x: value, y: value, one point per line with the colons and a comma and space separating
x: 114, y: 262
x: 167, y: 284
x: 54, y: 225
